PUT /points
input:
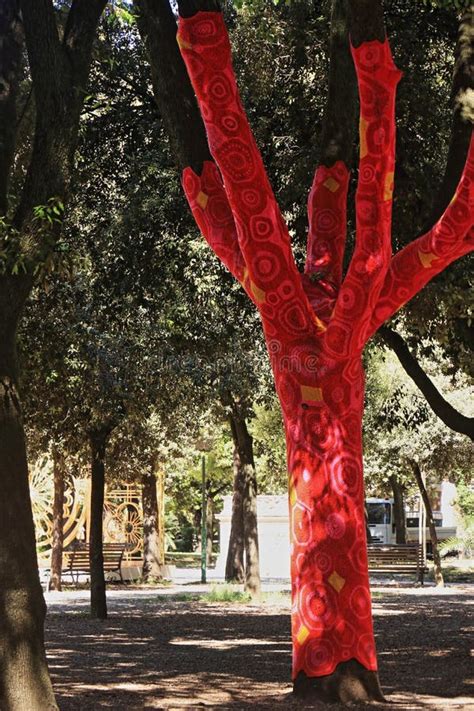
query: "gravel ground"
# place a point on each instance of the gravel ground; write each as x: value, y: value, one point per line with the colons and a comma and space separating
x: 159, y: 652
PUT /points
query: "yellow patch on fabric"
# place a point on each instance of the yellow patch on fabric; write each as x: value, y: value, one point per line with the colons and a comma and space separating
x: 337, y: 581
x: 258, y: 293
x: 426, y: 258
x: 331, y: 184
x: 363, y: 124
x: 320, y: 325
x: 310, y: 394
x: 292, y: 494
x: 202, y: 199
x: 182, y: 44
x: 388, y: 186
x: 302, y: 635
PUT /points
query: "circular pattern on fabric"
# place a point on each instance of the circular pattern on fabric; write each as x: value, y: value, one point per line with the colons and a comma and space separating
x: 205, y: 31
x: 326, y: 220
x: 265, y: 267
x: 261, y: 228
x: 293, y: 318
x: 346, y: 475
x: 360, y: 602
x: 230, y: 123
x: 253, y: 200
x: 219, y: 89
x: 218, y: 211
x: 368, y: 55
x: 367, y: 173
x: 301, y: 524
x: 237, y: 160
x: 319, y: 657
x: 335, y: 526
x: 317, y: 606
x: 323, y: 562
x: 367, y: 213
x: 320, y: 435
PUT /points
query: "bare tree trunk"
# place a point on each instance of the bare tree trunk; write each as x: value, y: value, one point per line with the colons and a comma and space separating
x: 24, y: 677
x: 210, y: 529
x: 98, y: 443
x: 438, y: 573
x: 58, y: 521
x: 153, y: 558
x: 234, y: 569
x: 244, y: 445
x: 398, y: 510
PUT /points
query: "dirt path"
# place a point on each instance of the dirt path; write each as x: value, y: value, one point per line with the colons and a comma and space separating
x: 158, y: 653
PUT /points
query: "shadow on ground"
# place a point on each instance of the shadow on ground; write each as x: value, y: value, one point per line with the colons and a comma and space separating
x: 156, y: 653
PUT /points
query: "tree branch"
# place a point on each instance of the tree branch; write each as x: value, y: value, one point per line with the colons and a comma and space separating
x: 325, y: 250
x: 79, y: 34
x: 172, y: 88
x: 451, y: 417
x: 11, y: 44
x: 462, y: 98
x: 44, y: 52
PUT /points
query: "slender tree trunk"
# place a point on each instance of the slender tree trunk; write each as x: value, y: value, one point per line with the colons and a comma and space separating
x: 153, y: 560
x: 398, y: 510
x: 210, y: 529
x: 98, y: 443
x: 58, y: 520
x: 243, y: 443
x: 235, y: 569
x: 438, y: 572
x: 24, y: 677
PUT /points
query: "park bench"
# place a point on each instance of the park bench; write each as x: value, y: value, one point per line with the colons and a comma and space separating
x: 76, y: 561
x: 397, y: 558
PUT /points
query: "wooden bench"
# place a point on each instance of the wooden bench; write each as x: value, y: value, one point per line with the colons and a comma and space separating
x: 76, y: 560
x: 397, y: 558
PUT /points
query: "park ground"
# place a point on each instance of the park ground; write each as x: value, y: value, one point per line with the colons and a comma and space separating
x: 189, y: 647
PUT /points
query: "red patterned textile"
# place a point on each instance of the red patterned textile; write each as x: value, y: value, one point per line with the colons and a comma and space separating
x: 316, y: 324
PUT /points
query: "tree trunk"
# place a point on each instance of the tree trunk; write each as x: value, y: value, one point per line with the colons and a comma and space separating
x: 398, y: 510
x: 24, y: 676
x: 58, y: 521
x: 98, y: 443
x: 334, y: 657
x: 245, y: 462
x: 210, y: 529
x: 438, y: 572
x: 235, y: 568
x: 153, y: 560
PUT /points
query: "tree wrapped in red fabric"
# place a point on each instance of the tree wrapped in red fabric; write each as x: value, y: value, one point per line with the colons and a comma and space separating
x: 316, y: 324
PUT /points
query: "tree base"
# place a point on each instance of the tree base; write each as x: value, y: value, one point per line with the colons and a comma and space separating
x: 350, y: 682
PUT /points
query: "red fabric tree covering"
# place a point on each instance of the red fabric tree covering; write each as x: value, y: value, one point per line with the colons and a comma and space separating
x: 316, y: 328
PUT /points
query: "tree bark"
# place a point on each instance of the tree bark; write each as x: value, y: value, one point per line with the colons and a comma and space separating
x: 11, y: 47
x: 153, y: 559
x: 244, y: 451
x: 210, y: 529
x: 98, y: 443
x: 398, y: 510
x: 58, y: 520
x: 235, y: 565
x: 24, y: 676
x: 451, y: 417
x: 438, y: 572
